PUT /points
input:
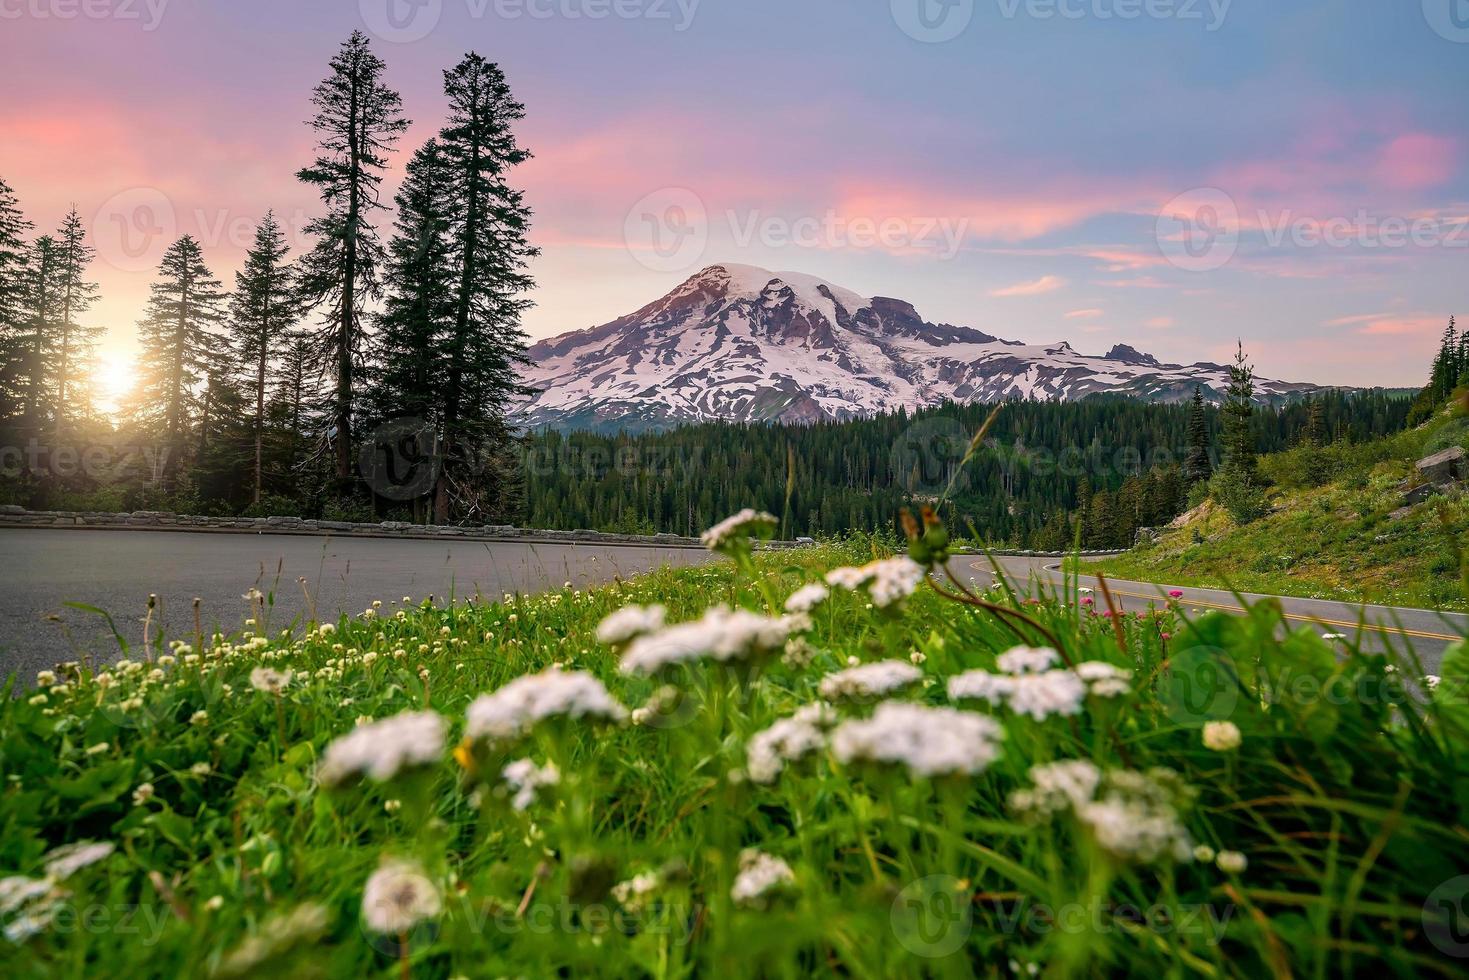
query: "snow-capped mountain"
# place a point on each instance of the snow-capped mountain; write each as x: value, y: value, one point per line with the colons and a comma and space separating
x: 739, y: 343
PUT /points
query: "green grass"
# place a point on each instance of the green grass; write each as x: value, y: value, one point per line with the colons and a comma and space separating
x: 1347, y: 796
x: 1333, y: 541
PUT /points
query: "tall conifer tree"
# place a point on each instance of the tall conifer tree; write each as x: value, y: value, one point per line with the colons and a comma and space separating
x: 358, y: 120
x: 75, y: 295
x: 262, y: 310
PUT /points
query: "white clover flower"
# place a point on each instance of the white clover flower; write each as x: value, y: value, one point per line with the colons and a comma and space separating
x: 67, y: 860
x: 1103, y: 680
x: 397, y: 897
x: 201, y: 769
x: 721, y: 634
x: 874, y: 680
x: 45, y: 678
x: 1028, y: 660
x: 526, y: 780
x: 1204, y: 854
x: 214, y: 903
x: 807, y: 598
x: 200, y: 717
x: 380, y: 750
x: 761, y: 876
x: 629, y: 623
x: 1232, y: 862
x: 788, y: 740
x: 928, y: 741
x: 1221, y: 736
x: 515, y: 709
x: 142, y: 794
x: 737, y: 529
x: 269, y: 680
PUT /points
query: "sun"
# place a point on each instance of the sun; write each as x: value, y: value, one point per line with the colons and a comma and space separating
x: 113, y: 377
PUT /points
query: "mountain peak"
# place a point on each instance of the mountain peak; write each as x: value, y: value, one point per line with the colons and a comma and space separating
x: 738, y: 342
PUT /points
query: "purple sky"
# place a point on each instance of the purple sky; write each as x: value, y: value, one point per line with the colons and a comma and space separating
x: 1164, y: 173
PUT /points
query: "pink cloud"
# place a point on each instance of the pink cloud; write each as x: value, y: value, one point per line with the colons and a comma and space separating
x: 1083, y: 314
x: 1033, y: 287
x: 1414, y: 324
x: 1414, y: 161
x: 1160, y: 323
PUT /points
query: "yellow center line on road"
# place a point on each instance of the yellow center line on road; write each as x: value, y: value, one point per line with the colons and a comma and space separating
x: 1297, y: 617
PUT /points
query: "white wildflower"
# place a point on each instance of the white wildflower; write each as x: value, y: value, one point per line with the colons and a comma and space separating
x: 397, y: 897
x: 380, y: 750
x: 1103, y: 680
x: 67, y: 860
x: 631, y: 894
x: 928, y: 741
x: 887, y: 580
x: 1028, y: 660
x: 628, y: 623
x: 515, y: 709
x: 30, y: 922
x: 721, y: 634
x: 847, y: 578
x: 1133, y: 816
x: 1056, y: 692
x: 748, y: 523
x: 1232, y: 862
x: 201, y: 769
x: 45, y: 678
x: 98, y: 749
x: 526, y: 780
x: 1069, y: 784
x: 788, y: 740
x: 1221, y: 736
x: 199, y: 717
x: 807, y: 598
x: 874, y: 680
x: 980, y: 685
x: 269, y: 680
x: 214, y: 903
x: 142, y: 794
x: 1204, y: 854
x: 760, y: 876
x: 18, y: 890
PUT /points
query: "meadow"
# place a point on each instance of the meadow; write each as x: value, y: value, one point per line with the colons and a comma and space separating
x: 836, y: 760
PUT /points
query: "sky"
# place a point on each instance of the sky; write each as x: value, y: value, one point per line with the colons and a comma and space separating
x: 1170, y: 174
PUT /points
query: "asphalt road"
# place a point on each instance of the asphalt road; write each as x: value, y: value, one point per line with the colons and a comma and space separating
x: 1428, y: 632
x: 41, y: 569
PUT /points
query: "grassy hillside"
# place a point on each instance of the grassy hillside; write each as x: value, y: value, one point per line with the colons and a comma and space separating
x: 1304, y: 816
x: 1329, y: 533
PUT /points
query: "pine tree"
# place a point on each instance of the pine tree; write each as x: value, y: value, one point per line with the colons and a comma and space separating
x: 295, y: 396
x: 358, y: 120
x: 14, y: 229
x: 262, y: 310
x: 38, y: 341
x: 1239, y: 406
x: 1315, y: 431
x: 418, y: 314
x: 491, y: 221
x: 1197, y: 466
x: 75, y: 295
x: 178, y: 346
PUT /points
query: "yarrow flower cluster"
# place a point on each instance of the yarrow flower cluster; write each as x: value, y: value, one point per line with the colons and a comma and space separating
x: 382, y: 749
x: 398, y: 897
x: 66, y: 860
x: 788, y: 740
x: 928, y: 741
x: 760, y: 877
x: 722, y: 634
x: 888, y: 581
x: 807, y: 598
x: 868, y: 681
x: 526, y: 780
x: 515, y: 709
x: 629, y: 623
x: 1033, y: 685
x: 1133, y: 816
x: 735, y: 531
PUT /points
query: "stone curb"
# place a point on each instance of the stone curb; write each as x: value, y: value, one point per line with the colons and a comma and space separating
x: 148, y: 520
